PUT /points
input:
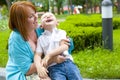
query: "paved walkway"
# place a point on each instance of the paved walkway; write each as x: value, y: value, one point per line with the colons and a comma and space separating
x: 61, y: 20
x: 2, y: 76
x: 2, y: 73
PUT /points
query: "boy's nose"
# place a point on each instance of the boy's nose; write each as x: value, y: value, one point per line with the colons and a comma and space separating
x: 48, y: 16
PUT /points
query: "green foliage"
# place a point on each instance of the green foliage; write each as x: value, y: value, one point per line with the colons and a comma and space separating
x: 84, y: 36
x: 94, y: 20
x: 85, y: 20
x: 4, y: 11
x: 97, y: 63
x: 100, y: 63
x: 86, y: 30
x: 116, y: 23
x: 39, y: 9
x: 3, y: 47
x: 3, y: 24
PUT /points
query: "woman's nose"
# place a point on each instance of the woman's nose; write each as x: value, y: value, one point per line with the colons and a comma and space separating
x: 36, y: 15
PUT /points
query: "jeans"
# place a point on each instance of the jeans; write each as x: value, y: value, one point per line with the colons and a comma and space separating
x: 66, y: 70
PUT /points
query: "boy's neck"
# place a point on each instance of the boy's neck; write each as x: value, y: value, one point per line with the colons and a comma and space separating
x: 51, y: 30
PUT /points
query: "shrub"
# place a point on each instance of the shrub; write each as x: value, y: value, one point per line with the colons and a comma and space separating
x: 83, y: 37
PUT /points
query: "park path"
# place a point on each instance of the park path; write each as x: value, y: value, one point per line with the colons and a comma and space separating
x: 2, y: 73
x: 2, y: 76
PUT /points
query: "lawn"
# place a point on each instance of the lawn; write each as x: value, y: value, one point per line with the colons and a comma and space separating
x: 96, y: 63
x: 99, y: 62
x: 4, y: 35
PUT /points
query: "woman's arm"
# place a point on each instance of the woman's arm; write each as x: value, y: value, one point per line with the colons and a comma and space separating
x: 31, y: 70
x: 71, y: 46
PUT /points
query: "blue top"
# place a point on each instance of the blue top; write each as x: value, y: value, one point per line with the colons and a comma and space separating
x: 21, y: 56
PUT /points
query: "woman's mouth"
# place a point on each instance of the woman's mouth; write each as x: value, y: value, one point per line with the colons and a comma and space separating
x: 35, y: 22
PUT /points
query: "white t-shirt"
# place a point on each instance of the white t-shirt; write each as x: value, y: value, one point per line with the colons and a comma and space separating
x: 49, y: 41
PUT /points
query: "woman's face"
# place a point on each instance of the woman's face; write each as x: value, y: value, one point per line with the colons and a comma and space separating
x: 32, y: 19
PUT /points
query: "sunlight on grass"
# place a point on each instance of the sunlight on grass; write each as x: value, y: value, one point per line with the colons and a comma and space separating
x: 96, y: 63
x: 99, y: 62
x: 4, y: 35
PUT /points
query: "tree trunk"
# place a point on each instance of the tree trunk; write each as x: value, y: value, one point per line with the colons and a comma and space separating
x: 118, y: 7
x: 8, y: 4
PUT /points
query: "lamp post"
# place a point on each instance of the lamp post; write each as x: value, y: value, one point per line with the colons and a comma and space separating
x: 107, y: 33
x: 49, y: 6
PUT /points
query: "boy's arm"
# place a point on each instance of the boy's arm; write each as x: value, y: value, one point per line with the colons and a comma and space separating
x: 63, y: 35
x: 64, y: 44
x: 37, y: 59
x: 41, y: 70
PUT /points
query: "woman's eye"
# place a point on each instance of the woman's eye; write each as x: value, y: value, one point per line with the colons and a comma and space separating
x: 31, y: 16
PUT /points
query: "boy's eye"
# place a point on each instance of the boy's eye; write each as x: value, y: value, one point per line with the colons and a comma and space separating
x: 45, y: 17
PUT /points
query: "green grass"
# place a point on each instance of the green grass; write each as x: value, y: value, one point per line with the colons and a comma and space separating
x: 100, y: 63
x: 61, y: 16
x: 3, y: 47
x: 96, y: 63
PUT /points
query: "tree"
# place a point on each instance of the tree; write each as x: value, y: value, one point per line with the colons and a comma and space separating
x: 118, y: 6
x: 3, y: 2
x: 59, y: 5
x: 8, y: 3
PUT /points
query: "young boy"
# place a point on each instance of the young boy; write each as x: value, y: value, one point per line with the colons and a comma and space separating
x: 50, y: 40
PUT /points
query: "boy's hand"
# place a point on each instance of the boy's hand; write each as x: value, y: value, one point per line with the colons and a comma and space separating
x: 65, y: 41
x: 42, y: 72
x: 45, y: 60
x: 59, y: 59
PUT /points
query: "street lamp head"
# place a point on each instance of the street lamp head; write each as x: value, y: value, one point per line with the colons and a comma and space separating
x: 106, y: 9
x: 106, y: 3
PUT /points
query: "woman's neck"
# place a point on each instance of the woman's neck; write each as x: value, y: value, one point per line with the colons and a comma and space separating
x: 32, y: 36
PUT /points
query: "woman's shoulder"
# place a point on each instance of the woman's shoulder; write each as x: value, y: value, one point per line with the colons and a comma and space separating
x: 15, y: 36
x: 39, y: 31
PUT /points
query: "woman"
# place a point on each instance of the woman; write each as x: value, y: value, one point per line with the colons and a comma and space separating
x: 23, y: 22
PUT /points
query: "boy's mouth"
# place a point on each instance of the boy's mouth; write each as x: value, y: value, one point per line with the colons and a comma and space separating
x: 49, y: 20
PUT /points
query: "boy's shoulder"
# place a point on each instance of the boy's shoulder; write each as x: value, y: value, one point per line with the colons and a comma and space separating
x: 61, y: 30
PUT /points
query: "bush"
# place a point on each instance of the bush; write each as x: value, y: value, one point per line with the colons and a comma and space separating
x: 94, y: 20
x: 3, y: 24
x: 83, y: 37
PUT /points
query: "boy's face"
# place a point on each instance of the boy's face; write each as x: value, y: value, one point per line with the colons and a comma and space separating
x: 48, y: 21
